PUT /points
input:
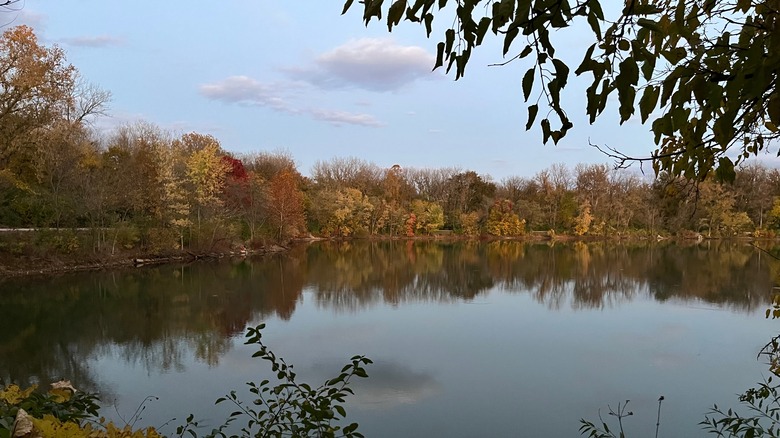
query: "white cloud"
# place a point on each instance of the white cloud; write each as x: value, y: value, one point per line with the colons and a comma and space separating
x: 341, y: 117
x: 375, y: 64
x: 246, y: 91
x: 243, y: 90
x: 94, y: 41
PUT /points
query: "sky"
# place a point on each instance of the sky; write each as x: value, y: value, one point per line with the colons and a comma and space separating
x: 299, y: 77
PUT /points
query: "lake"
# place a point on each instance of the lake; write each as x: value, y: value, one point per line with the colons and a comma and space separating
x: 500, y: 339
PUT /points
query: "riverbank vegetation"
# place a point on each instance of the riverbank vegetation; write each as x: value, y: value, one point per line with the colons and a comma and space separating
x: 284, y: 407
x: 138, y: 189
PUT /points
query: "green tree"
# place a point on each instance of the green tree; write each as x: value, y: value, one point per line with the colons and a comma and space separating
x: 704, y: 74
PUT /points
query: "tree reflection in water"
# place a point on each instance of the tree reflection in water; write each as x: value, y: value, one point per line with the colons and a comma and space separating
x: 153, y: 317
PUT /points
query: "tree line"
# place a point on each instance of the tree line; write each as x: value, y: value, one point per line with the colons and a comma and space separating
x: 139, y: 186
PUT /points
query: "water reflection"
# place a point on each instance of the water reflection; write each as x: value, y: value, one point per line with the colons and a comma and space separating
x: 156, y: 317
x: 390, y: 384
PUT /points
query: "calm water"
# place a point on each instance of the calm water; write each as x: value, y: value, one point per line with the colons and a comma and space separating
x: 469, y: 340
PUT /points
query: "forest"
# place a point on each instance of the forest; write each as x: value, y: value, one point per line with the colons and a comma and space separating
x: 140, y: 187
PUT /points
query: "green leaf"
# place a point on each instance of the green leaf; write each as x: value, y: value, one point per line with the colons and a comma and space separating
x: 346, y: 6
x: 725, y: 171
x: 674, y: 55
x: 545, y: 130
x: 439, y: 55
x: 528, y: 83
x: 588, y: 63
x: 449, y: 40
x: 648, y: 67
x: 509, y: 37
x: 629, y: 71
x: 395, y: 13
x: 428, y: 19
x: 526, y: 51
x: 556, y: 136
x: 649, y: 24
x: 626, y: 98
x: 482, y: 27
x: 561, y: 72
x: 648, y: 101
x: 532, y: 111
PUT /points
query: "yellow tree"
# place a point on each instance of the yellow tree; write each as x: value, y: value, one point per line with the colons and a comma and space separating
x: 502, y: 221
x: 207, y: 172
x: 584, y: 219
x: 428, y: 216
x: 349, y: 213
x: 36, y: 87
x: 176, y: 210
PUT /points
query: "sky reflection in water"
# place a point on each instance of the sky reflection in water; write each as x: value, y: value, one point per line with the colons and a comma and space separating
x: 499, y: 339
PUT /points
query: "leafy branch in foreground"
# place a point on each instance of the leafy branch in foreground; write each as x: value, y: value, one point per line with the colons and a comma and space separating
x: 762, y: 402
x: 763, y: 419
x: 285, y: 409
x: 595, y: 431
x: 289, y: 408
x: 702, y: 74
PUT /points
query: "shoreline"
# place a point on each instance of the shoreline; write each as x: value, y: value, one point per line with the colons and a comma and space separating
x: 60, y: 264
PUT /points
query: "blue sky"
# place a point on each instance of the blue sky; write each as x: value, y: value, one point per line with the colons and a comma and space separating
x: 266, y: 75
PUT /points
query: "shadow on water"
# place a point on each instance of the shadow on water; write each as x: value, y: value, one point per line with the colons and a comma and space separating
x: 151, y: 317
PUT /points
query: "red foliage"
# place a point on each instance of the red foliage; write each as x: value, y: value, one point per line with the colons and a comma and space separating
x: 237, y: 171
x: 410, y: 224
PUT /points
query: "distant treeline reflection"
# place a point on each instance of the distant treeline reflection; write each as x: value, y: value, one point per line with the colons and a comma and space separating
x: 155, y: 316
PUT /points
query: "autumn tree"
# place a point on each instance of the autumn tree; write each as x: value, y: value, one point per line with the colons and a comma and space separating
x: 704, y: 75
x: 343, y: 213
x: 716, y: 203
x: 428, y: 216
x: 269, y: 164
x: 261, y: 168
x: 470, y: 224
x: 44, y: 106
x: 176, y: 203
x: 525, y: 196
x: 466, y: 192
x: 339, y: 173
x: 753, y: 188
x: 503, y: 221
x: 430, y: 184
x: 36, y: 85
x: 207, y: 172
x: 584, y: 219
x: 285, y: 205
x: 556, y: 197
x: 56, y: 163
x: 774, y: 214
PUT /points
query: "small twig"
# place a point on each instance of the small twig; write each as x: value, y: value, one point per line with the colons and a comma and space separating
x: 764, y: 251
x: 658, y: 419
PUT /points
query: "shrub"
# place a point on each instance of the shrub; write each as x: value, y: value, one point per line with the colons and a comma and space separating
x: 286, y: 408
